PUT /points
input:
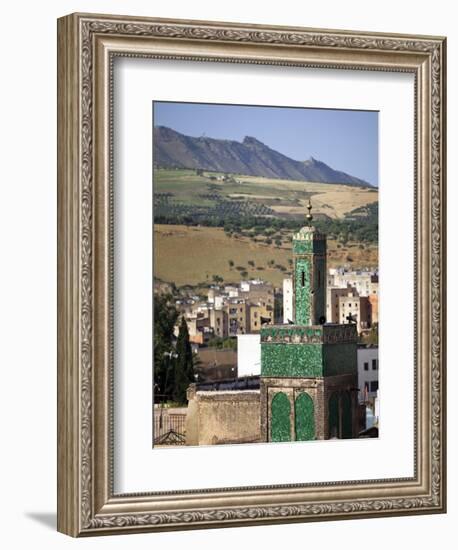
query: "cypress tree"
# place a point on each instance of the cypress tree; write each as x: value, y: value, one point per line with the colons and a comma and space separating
x: 184, y: 364
x: 165, y: 316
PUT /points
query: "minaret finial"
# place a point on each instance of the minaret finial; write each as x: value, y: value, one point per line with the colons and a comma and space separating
x: 309, y: 216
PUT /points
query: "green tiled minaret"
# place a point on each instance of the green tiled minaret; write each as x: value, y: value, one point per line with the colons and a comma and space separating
x: 309, y: 275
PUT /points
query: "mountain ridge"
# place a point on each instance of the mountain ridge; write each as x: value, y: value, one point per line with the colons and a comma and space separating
x: 249, y: 157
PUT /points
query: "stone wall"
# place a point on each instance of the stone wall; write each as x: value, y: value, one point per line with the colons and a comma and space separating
x: 223, y: 417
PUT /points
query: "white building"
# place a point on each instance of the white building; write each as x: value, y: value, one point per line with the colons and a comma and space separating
x: 365, y: 282
x: 368, y: 367
x: 248, y: 354
x: 219, y: 302
x: 231, y: 291
x: 245, y: 286
x: 332, y: 302
x: 287, y: 300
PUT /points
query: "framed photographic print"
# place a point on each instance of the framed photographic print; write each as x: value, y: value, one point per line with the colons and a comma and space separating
x: 251, y: 281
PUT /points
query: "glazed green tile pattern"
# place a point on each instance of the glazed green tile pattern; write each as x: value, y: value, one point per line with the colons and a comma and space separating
x: 340, y: 359
x: 309, y: 246
x: 304, y: 414
x: 280, y: 418
x: 286, y: 330
x: 291, y: 360
x: 302, y: 247
x: 302, y: 292
x: 320, y: 290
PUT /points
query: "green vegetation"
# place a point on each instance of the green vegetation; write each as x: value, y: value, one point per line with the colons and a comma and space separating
x: 253, y: 208
x: 165, y: 316
x: 173, y: 366
x: 184, y: 366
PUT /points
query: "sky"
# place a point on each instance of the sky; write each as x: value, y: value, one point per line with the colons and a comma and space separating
x: 345, y: 140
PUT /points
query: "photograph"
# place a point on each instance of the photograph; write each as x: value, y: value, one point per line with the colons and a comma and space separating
x: 266, y: 274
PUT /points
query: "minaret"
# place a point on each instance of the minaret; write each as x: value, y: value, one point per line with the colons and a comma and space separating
x: 309, y: 274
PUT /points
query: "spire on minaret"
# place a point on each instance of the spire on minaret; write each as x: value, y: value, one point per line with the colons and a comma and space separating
x: 309, y: 216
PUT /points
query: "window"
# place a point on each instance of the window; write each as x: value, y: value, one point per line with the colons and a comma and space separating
x: 374, y: 364
x: 374, y: 385
x: 303, y: 278
x: 366, y: 366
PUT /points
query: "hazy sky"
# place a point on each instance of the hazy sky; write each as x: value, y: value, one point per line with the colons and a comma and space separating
x: 345, y: 140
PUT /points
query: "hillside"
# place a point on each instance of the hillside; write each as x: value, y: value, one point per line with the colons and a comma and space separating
x: 182, y: 196
x: 250, y: 157
x: 193, y: 255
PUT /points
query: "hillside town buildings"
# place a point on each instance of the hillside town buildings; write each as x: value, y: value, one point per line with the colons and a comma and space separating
x: 365, y: 282
x: 351, y: 297
x: 229, y: 311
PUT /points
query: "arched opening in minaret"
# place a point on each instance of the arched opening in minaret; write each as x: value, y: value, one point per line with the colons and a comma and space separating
x: 280, y: 422
x: 304, y: 414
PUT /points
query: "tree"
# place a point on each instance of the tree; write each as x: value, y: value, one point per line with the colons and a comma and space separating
x: 231, y: 263
x: 165, y: 316
x: 184, y: 364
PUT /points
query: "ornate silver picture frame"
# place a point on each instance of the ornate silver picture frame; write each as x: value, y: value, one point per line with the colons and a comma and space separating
x: 87, y: 47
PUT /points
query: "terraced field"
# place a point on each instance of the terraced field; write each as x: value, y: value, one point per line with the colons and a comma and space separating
x: 183, y: 191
